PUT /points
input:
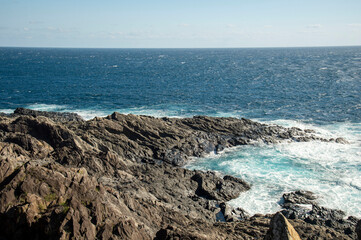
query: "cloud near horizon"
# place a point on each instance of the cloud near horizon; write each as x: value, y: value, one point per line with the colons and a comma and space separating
x: 314, y: 26
x: 188, y: 24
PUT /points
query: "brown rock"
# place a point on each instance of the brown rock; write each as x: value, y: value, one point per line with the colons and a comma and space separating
x: 281, y: 229
x: 115, y: 177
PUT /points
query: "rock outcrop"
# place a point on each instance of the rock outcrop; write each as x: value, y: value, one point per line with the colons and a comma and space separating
x: 303, y: 205
x: 118, y: 177
x: 55, y: 116
x: 358, y: 229
x: 281, y: 229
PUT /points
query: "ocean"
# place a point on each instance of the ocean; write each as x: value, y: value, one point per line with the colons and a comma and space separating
x: 316, y: 88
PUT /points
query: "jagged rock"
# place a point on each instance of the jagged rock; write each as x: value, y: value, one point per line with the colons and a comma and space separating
x: 281, y: 229
x: 115, y: 177
x: 55, y: 116
x: 358, y: 229
x: 175, y: 140
x: 299, y: 197
x: 46, y: 200
x: 212, y: 187
x: 310, y: 231
x: 303, y: 205
x: 231, y: 214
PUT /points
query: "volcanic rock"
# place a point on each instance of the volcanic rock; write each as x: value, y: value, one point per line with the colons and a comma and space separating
x: 55, y: 116
x: 118, y: 178
x: 303, y: 205
x: 358, y: 229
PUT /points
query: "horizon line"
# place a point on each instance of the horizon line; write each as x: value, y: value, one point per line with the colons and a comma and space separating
x: 42, y: 47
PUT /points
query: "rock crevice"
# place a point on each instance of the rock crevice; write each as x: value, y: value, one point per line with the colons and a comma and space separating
x: 118, y: 177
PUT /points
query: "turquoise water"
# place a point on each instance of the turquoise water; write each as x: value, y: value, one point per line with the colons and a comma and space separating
x: 330, y: 170
x: 317, y: 88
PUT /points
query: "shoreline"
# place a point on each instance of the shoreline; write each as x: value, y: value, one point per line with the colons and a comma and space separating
x: 117, y: 156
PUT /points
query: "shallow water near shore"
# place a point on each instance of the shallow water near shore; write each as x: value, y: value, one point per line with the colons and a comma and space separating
x: 315, y: 88
x: 331, y: 170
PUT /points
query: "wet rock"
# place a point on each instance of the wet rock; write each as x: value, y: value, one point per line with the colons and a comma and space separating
x: 214, y: 188
x: 341, y: 140
x: 299, y: 197
x: 303, y: 205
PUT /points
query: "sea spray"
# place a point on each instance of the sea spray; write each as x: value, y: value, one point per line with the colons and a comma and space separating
x: 330, y: 170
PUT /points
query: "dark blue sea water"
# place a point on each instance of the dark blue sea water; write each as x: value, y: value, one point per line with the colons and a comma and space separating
x: 312, y: 84
x: 317, y: 88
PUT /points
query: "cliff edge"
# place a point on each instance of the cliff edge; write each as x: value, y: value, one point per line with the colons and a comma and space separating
x: 120, y: 177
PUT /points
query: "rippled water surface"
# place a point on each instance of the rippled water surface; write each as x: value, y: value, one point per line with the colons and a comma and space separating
x: 318, y: 88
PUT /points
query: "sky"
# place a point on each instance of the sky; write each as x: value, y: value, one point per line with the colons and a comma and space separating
x: 179, y: 24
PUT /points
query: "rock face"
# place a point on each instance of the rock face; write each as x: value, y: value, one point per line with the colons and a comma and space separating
x: 55, y: 116
x: 281, y: 229
x: 358, y: 229
x: 117, y: 178
x: 303, y: 205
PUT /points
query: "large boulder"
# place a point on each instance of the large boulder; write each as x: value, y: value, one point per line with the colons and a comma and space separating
x: 281, y: 229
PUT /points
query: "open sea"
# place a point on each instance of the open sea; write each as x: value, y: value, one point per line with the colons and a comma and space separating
x: 317, y: 88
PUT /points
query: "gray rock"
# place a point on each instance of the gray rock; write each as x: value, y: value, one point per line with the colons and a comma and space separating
x: 231, y: 214
x: 303, y: 205
x: 117, y: 178
x: 55, y: 116
x: 300, y: 197
x: 358, y: 229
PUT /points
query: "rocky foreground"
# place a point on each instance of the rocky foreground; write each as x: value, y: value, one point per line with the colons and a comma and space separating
x: 120, y: 177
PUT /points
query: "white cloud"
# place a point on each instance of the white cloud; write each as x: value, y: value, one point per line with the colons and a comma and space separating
x: 354, y: 25
x: 231, y: 25
x: 184, y: 25
x: 60, y: 29
x: 314, y: 26
x: 26, y: 29
x: 35, y: 22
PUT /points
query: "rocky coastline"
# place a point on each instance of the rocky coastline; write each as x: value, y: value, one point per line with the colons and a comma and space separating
x: 121, y: 177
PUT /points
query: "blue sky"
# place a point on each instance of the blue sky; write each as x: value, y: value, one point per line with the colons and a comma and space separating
x: 179, y: 24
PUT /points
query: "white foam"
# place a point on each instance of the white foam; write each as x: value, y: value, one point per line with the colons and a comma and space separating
x: 88, y: 114
x: 8, y: 111
x: 156, y: 111
x: 349, y: 131
x: 84, y: 113
x: 331, y: 170
x: 47, y: 107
